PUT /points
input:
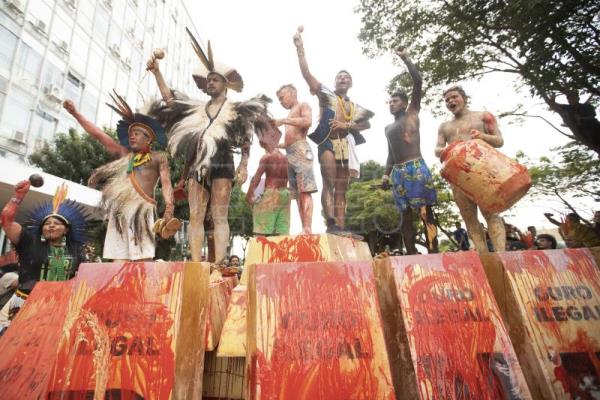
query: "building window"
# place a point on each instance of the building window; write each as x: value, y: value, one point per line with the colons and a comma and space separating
x: 28, y: 64
x: 43, y: 126
x: 101, y: 23
x: 17, y: 113
x: 7, y: 50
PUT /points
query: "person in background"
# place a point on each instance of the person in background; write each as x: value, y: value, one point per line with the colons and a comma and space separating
x: 545, y: 241
x: 462, y: 237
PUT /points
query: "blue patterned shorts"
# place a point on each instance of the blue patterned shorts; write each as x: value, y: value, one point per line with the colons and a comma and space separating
x: 413, y: 185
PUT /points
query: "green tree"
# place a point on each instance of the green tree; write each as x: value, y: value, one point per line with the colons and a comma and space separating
x: 552, y: 47
x: 371, y: 211
x: 240, y: 217
x: 572, y: 172
x: 72, y: 156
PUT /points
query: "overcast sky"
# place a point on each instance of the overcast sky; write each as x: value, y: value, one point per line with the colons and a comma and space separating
x: 255, y: 37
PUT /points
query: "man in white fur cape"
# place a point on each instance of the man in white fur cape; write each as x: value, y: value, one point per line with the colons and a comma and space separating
x: 205, y: 133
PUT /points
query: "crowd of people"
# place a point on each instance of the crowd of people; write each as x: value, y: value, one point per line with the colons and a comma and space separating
x: 573, y: 230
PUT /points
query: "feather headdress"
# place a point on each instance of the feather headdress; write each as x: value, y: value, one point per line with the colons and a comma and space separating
x: 67, y: 211
x: 131, y: 119
x: 233, y: 80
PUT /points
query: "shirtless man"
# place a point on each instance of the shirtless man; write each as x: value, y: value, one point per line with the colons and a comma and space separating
x: 470, y: 125
x: 299, y: 154
x: 133, y: 176
x: 411, y: 179
x: 271, y: 212
x: 340, y: 119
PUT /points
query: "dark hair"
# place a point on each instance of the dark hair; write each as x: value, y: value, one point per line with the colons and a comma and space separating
x: 343, y: 71
x: 549, y: 238
x: 402, y: 95
x: 287, y: 86
x: 573, y: 217
x: 456, y: 88
x: 232, y: 256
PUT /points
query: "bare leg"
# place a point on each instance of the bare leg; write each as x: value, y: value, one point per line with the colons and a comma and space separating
x: 342, y: 179
x: 219, y: 205
x: 496, y: 230
x: 328, y: 166
x: 468, y: 211
x: 305, y: 205
x: 408, y: 231
x: 198, y: 199
x: 426, y: 214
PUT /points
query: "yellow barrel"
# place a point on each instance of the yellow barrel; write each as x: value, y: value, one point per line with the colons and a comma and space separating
x: 492, y: 180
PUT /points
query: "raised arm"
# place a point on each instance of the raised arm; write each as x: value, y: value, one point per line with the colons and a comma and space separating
x: 313, y: 83
x: 97, y: 133
x: 441, y: 141
x: 165, y: 91
x: 165, y: 183
x: 492, y: 134
x: 12, y: 228
x: 256, y: 180
x: 304, y: 120
x: 417, y: 90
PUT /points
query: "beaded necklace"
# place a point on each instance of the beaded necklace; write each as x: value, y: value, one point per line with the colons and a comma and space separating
x: 347, y: 117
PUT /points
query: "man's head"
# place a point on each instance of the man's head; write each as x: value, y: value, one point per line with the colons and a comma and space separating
x: 573, y: 218
x: 456, y: 99
x: 597, y: 216
x: 343, y: 81
x: 234, y: 261
x: 457, y: 225
x: 398, y: 102
x: 215, y: 84
x: 288, y: 96
x: 140, y: 137
x: 532, y: 230
x: 545, y: 242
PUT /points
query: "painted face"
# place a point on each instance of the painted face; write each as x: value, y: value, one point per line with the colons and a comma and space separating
x: 215, y: 84
x: 343, y: 81
x: 287, y: 98
x: 139, y: 139
x: 396, y: 105
x: 455, y: 103
x: 54, y: 229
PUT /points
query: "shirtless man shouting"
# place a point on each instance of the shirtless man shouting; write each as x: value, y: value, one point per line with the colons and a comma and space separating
x: 470, y: 125
x: 300, y: 156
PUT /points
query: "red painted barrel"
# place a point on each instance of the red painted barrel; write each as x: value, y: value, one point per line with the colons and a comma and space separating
x: 492, y: 180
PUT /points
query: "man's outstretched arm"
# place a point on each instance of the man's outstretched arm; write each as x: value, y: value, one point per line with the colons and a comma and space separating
x: 313, y: 83
x: 417, y: 90
x: 97, y: 133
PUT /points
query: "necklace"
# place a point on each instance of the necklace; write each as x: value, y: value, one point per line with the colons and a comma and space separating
x: 210, y: 117
x: 347, y: 117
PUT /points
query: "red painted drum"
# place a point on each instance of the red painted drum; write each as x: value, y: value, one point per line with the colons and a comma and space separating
x: 492, y: 180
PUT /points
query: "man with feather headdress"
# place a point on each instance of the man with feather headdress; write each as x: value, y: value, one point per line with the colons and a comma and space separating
x: 127, y: 184
x: 205, y: 133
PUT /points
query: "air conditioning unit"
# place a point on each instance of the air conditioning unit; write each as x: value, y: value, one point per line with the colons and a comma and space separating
x: 15, y: 6
x: 71, y: 4
x: 39, y: 26
x: 114, y: 50
x: 19, y: 137
x: 62, y: 46
x: 53, y: 93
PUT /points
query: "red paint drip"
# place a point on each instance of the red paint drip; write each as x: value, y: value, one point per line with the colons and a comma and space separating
x: 322, y: 346
x: 453, y: 326
x: 131, y: 312
x: 291, y: 248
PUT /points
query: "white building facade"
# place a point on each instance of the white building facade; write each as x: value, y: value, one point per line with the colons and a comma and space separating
x: 52, y: 50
